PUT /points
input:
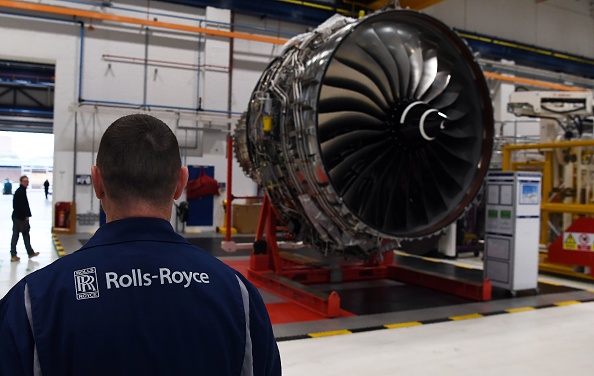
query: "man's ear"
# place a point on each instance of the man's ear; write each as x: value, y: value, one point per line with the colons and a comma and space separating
x: 97, y: 182
x: 181, y: 182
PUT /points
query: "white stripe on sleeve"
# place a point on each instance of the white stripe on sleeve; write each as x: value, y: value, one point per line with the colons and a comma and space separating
x: 36, y: 366
x: 248, y: 360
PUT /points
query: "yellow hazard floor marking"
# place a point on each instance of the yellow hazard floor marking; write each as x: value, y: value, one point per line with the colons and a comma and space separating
x: 463, y: 266
x: 58, y: 246
x: 520, y: 309
x: 548, y: 283
x: 466, y: 317
x: 399, y: 253
x: 330, y: 333
x: 567, y: 303
x: 403, y: 325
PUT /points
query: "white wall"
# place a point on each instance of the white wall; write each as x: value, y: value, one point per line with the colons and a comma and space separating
x: 113, y: 71
x: 173, y: 79
x: 54, y: 43
x: 250, y: 58
x: 563, y: 25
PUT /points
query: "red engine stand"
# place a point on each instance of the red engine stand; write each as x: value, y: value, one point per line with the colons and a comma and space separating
x: 287, y: 274
x: 575, y: 245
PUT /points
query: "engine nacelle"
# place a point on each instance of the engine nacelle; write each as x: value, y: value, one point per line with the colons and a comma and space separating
x: 371, y: 129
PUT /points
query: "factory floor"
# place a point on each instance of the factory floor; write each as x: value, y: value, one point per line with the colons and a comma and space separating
x: 388, y: 327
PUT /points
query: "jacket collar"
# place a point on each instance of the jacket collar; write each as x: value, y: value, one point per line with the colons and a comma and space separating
x: 134, y: 229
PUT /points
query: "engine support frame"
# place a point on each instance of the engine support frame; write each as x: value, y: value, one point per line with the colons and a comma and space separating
x: 288, y: 275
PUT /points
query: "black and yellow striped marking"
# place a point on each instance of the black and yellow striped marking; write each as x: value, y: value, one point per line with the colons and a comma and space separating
x: 520, y: 309
x: 410, y: 324
x: 466, y: 317
x: 401, y: 325
x: 58, y: 245
x: 330, y: 333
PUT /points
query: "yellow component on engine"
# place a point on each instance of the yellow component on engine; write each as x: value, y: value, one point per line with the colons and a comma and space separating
x: 267, y: 123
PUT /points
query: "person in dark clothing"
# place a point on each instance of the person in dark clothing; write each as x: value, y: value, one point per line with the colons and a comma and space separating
x: 20, y: 220
x: 137, y: 298
x: 7, y: 187
x: 46, y: 187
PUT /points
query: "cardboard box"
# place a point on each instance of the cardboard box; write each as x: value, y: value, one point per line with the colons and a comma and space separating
x: 245, y: 217
x: 253, y: 200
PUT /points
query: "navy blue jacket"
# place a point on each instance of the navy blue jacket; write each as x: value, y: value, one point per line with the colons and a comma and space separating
x: 20, y: 204
x: 136, y: 299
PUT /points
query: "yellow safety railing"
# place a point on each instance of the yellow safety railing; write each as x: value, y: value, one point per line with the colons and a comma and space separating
x: 507, y: 164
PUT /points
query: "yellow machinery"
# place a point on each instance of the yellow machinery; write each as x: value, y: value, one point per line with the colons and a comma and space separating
x: 567, y: 165
x: 550, y: 190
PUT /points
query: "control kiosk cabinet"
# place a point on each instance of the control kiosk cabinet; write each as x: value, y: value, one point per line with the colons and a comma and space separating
x: 512, y: 230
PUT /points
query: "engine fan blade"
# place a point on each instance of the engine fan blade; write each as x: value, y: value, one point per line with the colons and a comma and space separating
x: 447, y: 170
x: 353, y: 56
x: 371, y: 43
x: 429, y: 73
x: 375, y: 212
x: 462, y: 154
x: 447, y: 98
x: 457, y: 131
x: 356, y: 161
x: 337, y: 100
x: 338, y: 148
x: 415, y: 57
x: 440, y: 83
x: 362, y: 164
x: 390, y: 37
x: 342, y: 76
x: 333, y: 124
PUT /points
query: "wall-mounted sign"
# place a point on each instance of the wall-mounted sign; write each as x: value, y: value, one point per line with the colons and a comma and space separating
x: 83, y: 179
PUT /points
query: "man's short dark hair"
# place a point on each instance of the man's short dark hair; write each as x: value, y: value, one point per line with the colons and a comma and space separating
x: 22, y: 177
x: 139, y: 160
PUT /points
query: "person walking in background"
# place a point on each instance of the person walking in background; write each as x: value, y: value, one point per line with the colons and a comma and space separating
x: 137, y: 298
x: 7, y: 190
x: 20, y: 220
x: 46, y: 187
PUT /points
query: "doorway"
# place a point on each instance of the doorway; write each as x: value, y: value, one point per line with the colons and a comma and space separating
x: 26, y: 141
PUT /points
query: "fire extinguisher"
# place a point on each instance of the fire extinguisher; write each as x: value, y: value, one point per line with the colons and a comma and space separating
x: 61, y: 217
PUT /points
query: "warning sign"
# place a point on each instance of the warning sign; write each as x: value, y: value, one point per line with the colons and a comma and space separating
x: 580, y: 241
x: 569, y: 241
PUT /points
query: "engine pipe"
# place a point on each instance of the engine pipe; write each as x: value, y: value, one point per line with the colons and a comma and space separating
x: 80, y: 62
x: 138, y: 105
x: 527, y: 81
x: 132, y: 59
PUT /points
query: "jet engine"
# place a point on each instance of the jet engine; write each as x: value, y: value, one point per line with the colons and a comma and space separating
x: 370, y: 131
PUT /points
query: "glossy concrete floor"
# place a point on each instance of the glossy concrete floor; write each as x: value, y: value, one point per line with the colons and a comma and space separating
x: 547, y: 341
x: 41, y: 239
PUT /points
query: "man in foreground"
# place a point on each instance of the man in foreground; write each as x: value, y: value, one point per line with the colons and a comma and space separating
x: 137, y: 299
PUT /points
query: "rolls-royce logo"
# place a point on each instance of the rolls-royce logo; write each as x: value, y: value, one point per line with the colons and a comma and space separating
x: 85, y: 282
